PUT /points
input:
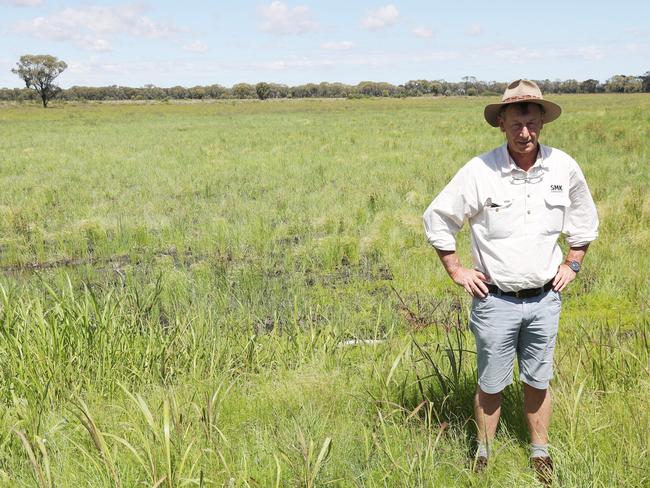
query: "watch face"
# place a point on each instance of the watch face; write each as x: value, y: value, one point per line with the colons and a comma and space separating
x: 575, y: 266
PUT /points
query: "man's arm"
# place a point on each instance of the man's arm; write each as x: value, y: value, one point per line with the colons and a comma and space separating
x: 566, y: 275
x: 470, y: 279
x: 580, y: 226
x: 455, y: 204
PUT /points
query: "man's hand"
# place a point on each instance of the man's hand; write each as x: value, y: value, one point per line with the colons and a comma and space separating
x: 563, y: 277
x: 473, y: 281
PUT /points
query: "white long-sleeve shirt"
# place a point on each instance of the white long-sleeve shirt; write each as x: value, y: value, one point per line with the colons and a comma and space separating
x: 515, y: 218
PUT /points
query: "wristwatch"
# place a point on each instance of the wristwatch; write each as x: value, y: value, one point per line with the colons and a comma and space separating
x: 574, y: 265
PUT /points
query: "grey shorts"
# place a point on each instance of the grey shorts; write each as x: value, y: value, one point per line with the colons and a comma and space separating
x: 508, y: 326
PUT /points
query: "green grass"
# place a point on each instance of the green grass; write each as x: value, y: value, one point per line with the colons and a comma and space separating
x: 177, y: 281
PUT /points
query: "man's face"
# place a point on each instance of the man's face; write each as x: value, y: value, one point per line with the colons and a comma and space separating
x: 522, y: 127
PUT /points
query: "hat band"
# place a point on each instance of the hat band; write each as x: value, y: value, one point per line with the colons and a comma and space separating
x: 518, y: 98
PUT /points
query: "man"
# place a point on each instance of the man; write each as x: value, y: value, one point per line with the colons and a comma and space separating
x: 517, y: 199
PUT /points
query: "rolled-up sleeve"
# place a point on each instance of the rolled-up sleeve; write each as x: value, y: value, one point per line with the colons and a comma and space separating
x: 444, y: 217
x: 581, y: 218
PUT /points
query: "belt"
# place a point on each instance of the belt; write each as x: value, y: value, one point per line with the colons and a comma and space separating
x: 528, y: 293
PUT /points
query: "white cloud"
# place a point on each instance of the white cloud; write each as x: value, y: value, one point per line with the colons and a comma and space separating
x: 423, y: 32
x: 196, y: 47
x: 636, y: 32
x: 510, y: 53
x: 142, y: 69
x: 272, y: 65
x: 474, y: 30
x: 293, y: 63
x: 587, y: 53
x: 632, y: 47
x: 22, y: 3
x: 338, y: 46
x: 99, y: 45
x: 279, y: 19
x: 382, y: 17
x: 517, y: 54
x: 436, y: 56
x: 88, y: 27
x: 377, y: 60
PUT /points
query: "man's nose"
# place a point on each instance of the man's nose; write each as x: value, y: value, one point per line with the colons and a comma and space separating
x: 525, y: 133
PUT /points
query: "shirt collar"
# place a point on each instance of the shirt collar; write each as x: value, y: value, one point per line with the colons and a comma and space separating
x: 508, y: 164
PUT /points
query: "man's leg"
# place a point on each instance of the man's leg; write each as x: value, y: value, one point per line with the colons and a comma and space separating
x: 537, y: 406
x: 538, y: 409
x: 536, y: 346
x: 495, y: 323
x: 487, y: 409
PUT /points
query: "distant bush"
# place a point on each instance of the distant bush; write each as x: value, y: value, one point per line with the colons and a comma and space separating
x: 364, y: 89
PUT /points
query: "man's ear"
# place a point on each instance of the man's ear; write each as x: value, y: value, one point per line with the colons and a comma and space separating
x: 501, y: 126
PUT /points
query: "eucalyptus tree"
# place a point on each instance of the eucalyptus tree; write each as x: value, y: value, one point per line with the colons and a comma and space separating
x: 39, y: 72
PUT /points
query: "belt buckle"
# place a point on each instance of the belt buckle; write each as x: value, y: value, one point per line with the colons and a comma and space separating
x: 530, y: 292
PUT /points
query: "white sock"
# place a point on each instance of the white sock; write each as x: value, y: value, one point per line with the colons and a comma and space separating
x: 538, y: 450
x: 483, y: 449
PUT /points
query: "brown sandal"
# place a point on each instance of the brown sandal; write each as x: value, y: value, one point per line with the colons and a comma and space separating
x: 480, y: 464
x: 543, y: 467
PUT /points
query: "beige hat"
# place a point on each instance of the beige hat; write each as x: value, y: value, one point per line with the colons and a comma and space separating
x: 522, y: 91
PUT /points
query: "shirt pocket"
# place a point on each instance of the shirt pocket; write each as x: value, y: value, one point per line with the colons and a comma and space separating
x: 556, y: 206
x: 500, y: 218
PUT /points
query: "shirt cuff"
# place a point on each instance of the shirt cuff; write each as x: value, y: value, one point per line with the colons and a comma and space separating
x: 581, y: 240
x: 443, y: 244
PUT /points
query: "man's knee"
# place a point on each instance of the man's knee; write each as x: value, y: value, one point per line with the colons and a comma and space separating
x: 489, y: 402
x: 535, y: 397
x: 537, y: 390
x: 488, y: 394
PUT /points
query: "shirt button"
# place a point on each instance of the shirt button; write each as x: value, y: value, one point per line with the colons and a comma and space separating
x: 529, y: 211
x: 528, y: 195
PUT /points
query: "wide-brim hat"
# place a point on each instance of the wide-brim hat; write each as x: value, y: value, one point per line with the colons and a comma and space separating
x: 522, y: 91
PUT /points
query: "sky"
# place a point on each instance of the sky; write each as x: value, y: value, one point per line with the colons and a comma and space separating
x: 190, y: 42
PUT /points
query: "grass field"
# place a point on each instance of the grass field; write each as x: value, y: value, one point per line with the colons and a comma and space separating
x: 178, y: 283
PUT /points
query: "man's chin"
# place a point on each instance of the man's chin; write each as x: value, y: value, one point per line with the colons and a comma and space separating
x: 525, y: 148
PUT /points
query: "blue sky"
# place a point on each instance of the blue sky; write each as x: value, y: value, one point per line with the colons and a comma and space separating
x: 198, y: 43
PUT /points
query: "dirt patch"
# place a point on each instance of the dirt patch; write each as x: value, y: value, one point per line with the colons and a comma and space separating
x: 420, y: 314
x: 347, y: 273
x: 185, y: 258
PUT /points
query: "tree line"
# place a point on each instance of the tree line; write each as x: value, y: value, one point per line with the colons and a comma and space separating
x: 39, y: 71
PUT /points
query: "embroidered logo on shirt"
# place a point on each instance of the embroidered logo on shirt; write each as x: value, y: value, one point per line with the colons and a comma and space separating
x: 556, y: 188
